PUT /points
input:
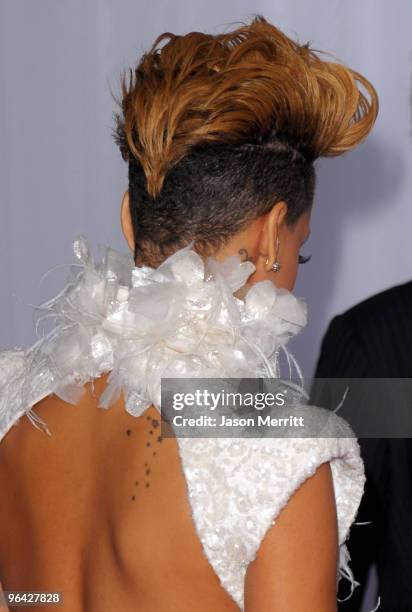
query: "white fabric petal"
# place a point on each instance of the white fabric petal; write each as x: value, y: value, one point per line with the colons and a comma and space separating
x: 182, y: 320
x: 181, y: 317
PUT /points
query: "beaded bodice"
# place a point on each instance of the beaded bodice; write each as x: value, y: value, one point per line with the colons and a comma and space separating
x: 182, y: 319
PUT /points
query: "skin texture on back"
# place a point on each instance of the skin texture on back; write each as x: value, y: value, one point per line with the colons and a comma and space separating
x: 100, y: 512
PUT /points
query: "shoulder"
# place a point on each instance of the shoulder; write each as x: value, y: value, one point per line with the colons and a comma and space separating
x: 239, y: 486
x: 358, y: 331
x: 380, y: 304
x: 267, y: 471
x: 12, y: 370
x: 281, y: 465
x: 11, y: 364
x: 23, y: 382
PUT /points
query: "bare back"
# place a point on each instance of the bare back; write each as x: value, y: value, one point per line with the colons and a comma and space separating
x: 99, y: 511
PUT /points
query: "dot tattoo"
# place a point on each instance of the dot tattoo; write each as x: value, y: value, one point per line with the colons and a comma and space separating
x: 153, y: 424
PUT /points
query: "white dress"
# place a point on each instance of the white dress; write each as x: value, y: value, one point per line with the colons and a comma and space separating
x: 182, y: 319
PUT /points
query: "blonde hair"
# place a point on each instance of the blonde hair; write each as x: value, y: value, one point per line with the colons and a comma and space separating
x: 250, y: 85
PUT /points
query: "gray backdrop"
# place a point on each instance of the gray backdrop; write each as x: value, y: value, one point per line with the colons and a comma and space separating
x: 61, y: 174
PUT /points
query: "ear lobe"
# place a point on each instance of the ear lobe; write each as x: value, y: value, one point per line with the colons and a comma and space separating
x: 126, y: 221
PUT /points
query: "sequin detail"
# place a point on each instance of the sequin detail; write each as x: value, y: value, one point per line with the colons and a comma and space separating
x: 233, y: 505
x: 183, y: 319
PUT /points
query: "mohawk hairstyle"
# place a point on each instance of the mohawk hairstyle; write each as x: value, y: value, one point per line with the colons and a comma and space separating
x: 217, y: 128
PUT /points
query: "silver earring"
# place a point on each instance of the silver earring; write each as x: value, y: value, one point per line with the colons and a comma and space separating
x: 276, y: 266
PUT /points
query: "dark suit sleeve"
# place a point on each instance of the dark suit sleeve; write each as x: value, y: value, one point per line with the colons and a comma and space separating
x: 343, y: 356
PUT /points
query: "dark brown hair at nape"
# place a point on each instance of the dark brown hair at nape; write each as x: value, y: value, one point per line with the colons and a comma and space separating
x: 218, y: 128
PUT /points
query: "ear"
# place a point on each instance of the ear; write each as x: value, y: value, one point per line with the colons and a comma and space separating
x: 270, y: 232
x: 126, y: 221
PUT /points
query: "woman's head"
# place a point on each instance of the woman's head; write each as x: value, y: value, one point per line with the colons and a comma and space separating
x: 221, y: 133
